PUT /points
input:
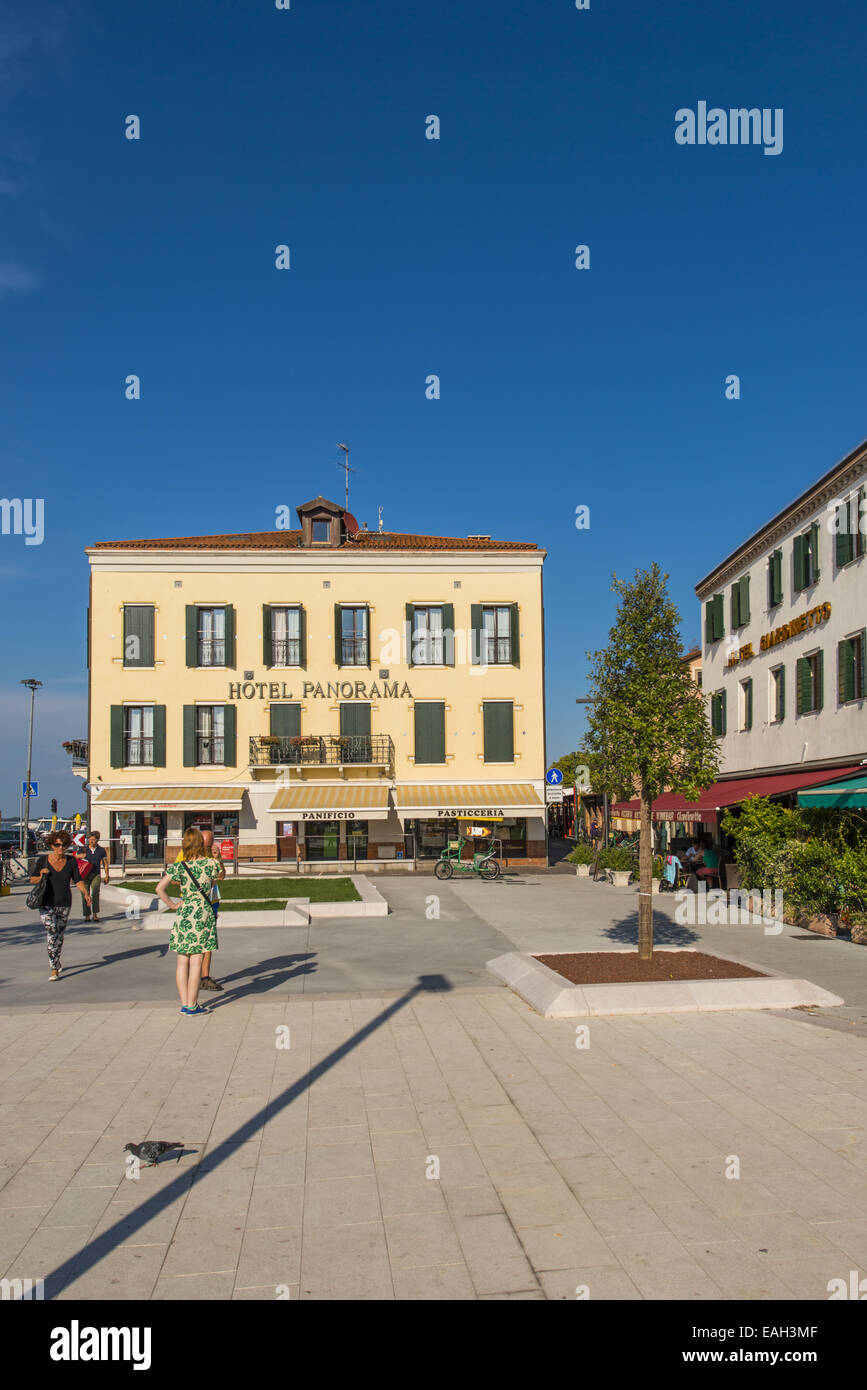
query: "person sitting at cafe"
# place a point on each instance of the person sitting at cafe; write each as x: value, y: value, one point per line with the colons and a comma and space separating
x: 692, y: 852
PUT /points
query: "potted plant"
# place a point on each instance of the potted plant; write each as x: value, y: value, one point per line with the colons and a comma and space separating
x: 619, y: 864
x: 582, y: 857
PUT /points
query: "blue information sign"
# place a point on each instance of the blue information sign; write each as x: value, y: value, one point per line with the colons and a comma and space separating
x: 34, y: 789
x: 553, y: 777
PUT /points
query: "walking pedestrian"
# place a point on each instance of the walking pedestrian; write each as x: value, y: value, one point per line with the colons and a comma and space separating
x: 194, y: 931
x: 97, y: 860
x: 60, y: 871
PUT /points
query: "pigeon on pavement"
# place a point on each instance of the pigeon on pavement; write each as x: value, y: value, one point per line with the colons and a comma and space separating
x: 151, y: 1149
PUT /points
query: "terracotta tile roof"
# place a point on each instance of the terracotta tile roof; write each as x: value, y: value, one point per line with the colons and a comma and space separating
x: 291, y: 540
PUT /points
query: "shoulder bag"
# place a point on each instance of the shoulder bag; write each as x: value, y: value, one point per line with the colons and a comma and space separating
x: 195, y: 883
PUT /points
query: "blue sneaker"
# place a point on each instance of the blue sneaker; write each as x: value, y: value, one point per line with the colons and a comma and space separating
x: 196, y: 1009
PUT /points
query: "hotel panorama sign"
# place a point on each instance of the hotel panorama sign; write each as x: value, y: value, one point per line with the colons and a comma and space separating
x: 332, y: 690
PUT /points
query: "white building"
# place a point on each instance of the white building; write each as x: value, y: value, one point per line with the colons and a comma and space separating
x: 784, y: 647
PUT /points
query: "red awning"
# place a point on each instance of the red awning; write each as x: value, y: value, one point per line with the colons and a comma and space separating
x: 671, y: 806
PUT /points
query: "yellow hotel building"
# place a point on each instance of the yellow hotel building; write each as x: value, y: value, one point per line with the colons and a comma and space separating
x: 316, y: 693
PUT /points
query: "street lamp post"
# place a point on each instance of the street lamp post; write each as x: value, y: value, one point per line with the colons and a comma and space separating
x: 32, y: 686
x: 588, y: 700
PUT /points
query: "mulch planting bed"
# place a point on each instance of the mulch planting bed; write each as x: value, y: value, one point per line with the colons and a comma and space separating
x: 624, y: 967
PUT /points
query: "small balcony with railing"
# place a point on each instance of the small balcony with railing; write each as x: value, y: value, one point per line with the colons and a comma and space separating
x: 306, y: 751
x: 79, y: 750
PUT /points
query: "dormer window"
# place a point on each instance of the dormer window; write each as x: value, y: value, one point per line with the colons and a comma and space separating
x: 321, y: 532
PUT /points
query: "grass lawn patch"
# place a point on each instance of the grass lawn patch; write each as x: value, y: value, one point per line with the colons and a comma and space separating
x: 257, y: 890
x: 260, y: 905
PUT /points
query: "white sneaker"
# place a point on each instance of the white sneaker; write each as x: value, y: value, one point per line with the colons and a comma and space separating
x: 55, y: 975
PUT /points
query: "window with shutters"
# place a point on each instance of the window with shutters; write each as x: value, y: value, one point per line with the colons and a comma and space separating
x: 775, y: 579
x: 353, y: 636
x: 714, y: 622
x: 210, y: 731
x: 138, y: 634
x: 211, y: 646
x: 850, y: 526
x: 806, y: 558
x: 740, y: 602
x: 138, y: 735
x: 285, y: 636
x: 430, y: 731
x: 746, y: 705
x: 496, y: 639
x: 809, y: 677
x: 427, y: 636
x: 850, y: 668
x: 778, y: 694
x: 499, y: 731
x: 718, y: 712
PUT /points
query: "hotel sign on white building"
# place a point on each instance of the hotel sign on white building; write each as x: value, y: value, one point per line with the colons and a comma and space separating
x: 785, y: 633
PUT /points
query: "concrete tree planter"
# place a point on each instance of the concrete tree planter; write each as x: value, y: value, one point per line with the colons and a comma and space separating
x: 620, y: 877
x: 582, y: 870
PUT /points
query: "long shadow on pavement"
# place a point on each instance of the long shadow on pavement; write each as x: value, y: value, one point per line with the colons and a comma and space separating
x: 130, y: 1222
x: 666, y: 932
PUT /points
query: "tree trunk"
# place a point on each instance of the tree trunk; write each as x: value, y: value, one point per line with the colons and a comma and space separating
x: 645, y: 867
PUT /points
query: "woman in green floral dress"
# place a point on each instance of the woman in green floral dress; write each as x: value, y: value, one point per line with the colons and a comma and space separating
x: 195, y: 928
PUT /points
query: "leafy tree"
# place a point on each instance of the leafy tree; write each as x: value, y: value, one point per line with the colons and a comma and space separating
x: 647, y: 723
x: 580, y: 763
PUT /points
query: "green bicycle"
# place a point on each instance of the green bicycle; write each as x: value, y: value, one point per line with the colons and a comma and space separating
x: 483, y: 863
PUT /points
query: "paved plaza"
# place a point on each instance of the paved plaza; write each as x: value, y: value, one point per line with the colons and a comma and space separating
x: 425, y: 1135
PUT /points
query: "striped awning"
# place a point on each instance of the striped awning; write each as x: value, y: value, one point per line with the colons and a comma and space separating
x: 330, y: 802
x: 468, y: 800
x: 168, y: 798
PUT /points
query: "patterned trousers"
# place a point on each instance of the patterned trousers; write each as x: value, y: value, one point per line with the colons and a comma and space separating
x: 54, y: 920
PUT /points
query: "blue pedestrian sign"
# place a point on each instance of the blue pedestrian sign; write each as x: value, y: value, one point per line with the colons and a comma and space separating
x: 34, y: 789
x: 553, y: 777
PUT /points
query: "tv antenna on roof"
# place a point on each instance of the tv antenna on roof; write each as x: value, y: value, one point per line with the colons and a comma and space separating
x: 346, y: 469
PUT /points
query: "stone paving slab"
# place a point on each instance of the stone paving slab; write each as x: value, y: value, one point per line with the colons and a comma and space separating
x: 431, y: 1146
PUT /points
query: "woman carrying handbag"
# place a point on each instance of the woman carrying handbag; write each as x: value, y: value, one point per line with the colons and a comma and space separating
x: 55, y: 874
x: 195, y: 925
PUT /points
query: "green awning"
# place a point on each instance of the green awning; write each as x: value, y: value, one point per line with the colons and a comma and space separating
x: 848, y: 791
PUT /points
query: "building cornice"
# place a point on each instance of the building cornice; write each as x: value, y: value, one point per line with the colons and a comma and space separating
x: 835, y: 484
x: 311, y: 563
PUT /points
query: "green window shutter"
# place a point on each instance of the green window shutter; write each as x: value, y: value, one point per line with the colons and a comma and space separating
x: 859, y: 537
x: 798, y: 555
x: 708, y: 622
x: 230, y: 636
x: 845, y: 671
x: 355, y: 719
x: 843, y: 538
x: 779, y: 576
x: 430, y: 732
x: 448, y: 634
x: 159, y: 735
x: 116, y: 730
x: 409, y: 613
x: 863, y: 663
x: 302, y: 637
x: 820, y: 679
x: 138, y: 624
x: 499, y: 731
x: 735, y: 606
x: 368, y: 637
x: 749, y: 705
x: 285, y: 721
x: 230, y: 736
x: 515, y: 633
x: 722, y: 699
x: 814, y: 569
x: 745, y: 599
x: 782, y: 692
x: 803, y: 685
x: 475, y: 633
x: 192, y: 635
x: 338, y: 634
x: 189, y: 736
x: 719, y: 618
x: 267, y: 645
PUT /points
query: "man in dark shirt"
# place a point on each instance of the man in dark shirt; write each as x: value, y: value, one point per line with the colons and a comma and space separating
x: 98, y: 860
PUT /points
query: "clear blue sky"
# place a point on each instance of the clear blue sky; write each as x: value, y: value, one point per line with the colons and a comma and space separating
x: 559, y: 387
